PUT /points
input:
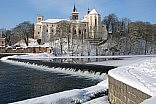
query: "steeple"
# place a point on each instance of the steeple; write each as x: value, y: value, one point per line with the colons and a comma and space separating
x: 75, y: 14
x: 74, y: 10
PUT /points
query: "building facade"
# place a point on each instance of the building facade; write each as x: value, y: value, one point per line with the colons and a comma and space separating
x: 89, y: 27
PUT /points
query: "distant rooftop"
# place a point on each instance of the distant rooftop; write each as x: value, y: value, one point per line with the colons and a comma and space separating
x: 53, y: 20
x: 93, y: 12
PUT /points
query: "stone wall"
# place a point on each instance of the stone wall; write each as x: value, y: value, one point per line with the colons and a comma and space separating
x: 121, y: 93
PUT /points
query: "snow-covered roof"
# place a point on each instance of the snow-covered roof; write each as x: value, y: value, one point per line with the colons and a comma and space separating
x: 76, y: 21
x: 140, y: 75
x: 53, y: 20
x: 84, y: 19
x: 93, y: 12
x: 32, y: 43
x: 39, y: 23
x: 74, y: 12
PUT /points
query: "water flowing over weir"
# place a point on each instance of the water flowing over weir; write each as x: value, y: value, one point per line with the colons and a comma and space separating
x: 20, y: 81
x: 83, y: 67
x: 75, y: 72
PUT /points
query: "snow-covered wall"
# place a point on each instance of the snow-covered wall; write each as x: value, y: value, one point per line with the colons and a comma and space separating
x: 133, y: 83
x: 121, y: 93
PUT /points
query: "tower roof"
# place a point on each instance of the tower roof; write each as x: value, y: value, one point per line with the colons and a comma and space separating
x: 93, y: 12
x: 74, y: 10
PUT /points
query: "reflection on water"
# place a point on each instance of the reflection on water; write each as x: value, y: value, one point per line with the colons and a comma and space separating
x: 19, y: 83
x: 78, y: 60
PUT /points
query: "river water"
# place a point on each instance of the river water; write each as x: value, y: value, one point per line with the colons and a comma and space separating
x: 19, y: 83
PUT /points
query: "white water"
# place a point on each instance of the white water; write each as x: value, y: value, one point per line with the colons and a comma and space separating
x: 71, y: 71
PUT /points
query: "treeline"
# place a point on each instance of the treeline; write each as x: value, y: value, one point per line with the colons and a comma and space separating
x: 126, y: 37
x: 22, y: 31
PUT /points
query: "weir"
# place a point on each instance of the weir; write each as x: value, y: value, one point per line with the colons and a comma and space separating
x: 82, y: 67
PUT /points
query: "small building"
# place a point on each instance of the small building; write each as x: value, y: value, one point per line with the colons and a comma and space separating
x: 2, y: 42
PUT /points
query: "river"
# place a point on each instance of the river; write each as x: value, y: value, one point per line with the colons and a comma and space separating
x: 19, y: 83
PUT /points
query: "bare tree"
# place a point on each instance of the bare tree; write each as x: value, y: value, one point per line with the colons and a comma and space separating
x: 24, y: 31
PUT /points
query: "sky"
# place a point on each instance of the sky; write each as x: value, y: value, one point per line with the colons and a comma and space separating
x: 13, y: 12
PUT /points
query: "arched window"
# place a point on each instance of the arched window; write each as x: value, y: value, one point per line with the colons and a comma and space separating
x: 74, y: 31
x: 79, y: 31
x: 95, y: 22
x: 85, y: 30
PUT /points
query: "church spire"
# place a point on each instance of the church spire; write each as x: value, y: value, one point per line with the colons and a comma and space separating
x: 74, y: 10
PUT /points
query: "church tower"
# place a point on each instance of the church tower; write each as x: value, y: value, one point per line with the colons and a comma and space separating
x: 39, y: 18
x: 94, y: 21
x: 75, y: 14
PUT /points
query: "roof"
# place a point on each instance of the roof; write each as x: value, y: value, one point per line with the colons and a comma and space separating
x: 53, y: 20
x: 93, y: 12
x: 39, y: 23
x: 75, y: 10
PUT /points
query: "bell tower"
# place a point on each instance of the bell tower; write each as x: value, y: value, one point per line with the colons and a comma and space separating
x: 39, y: 18
x: 75, y: 14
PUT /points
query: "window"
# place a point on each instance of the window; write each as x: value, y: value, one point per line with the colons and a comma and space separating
x: 95, y: 22
x: 52, y: 30
x: 39, y: 19
x: 74, y: 31
x: 47, y: 30
x: 52, y: 25
x: 38, y: 32
x: 85, y: 30
x: 79, y: 31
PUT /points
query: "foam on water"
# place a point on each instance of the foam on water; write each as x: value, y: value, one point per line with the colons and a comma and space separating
x: 71, y: 71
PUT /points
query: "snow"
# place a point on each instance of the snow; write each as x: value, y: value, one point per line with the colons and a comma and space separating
x: 123, y: 61
x: 93, y: 12
x: 53, y: 20
x: 101, y: 100
x: 31, y: 43
x: 140, y: 75
x: 69, y: 97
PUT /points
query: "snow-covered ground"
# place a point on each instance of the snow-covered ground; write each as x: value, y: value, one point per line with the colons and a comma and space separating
x: 140, y: 75
x: 101, y: 100
x: 125, y: 60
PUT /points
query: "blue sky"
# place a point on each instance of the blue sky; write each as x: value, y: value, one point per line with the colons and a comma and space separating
x: 13, y: 12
